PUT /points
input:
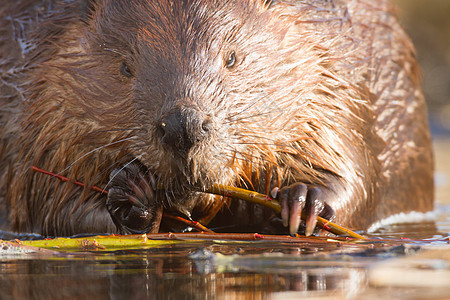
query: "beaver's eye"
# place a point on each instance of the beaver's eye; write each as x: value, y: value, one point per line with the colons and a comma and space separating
x: 125, y: 70
x: 230, y: 60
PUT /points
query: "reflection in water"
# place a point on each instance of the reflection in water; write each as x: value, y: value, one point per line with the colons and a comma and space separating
x: 213, y: 270
x: 170, y: 274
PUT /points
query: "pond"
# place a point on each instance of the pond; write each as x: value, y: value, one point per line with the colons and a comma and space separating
x: 232, y: 269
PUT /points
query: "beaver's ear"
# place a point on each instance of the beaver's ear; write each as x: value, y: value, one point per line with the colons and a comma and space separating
x: 87, y: 8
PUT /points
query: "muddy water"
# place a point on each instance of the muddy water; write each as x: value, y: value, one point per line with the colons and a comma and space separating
x: 414, y: 263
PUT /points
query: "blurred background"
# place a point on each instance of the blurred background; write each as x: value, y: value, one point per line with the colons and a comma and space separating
x: 428, y: 24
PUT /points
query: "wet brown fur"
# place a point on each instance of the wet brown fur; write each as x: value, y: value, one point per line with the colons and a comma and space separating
x: 323, y: 92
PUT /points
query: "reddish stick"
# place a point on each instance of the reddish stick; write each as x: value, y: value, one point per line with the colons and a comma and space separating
x: 193, y: 224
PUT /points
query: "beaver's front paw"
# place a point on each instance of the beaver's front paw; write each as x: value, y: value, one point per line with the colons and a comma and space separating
x: 131, y: 200
x: 298, y: 199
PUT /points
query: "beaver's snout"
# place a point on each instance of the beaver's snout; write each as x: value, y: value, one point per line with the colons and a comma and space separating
x: 184, y: 128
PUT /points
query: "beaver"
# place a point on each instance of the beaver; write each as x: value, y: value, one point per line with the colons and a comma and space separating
x: 315, y: 102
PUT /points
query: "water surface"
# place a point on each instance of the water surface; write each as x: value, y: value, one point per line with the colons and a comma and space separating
x: 230, y: 269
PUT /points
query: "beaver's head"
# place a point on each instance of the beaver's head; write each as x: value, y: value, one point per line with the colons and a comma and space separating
x: 211, y: 90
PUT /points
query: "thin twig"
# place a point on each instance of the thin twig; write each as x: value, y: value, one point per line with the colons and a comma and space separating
x: 65, y: 179
x: 193, y: 224
x: 112, y: 242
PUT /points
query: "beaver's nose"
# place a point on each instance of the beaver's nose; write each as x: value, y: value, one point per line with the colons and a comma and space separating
x: 184, y: 128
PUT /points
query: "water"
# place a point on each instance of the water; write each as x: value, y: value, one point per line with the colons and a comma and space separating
x: 229, y: 269
x: 174, y: 273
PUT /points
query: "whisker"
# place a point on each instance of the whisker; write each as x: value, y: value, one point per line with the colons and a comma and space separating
x: 250, y: 116
x: 94, y: 150
x: 256, y: 101
x: 107, y: 167
x: 260, y: 144
x: 123, y: 167
x: 110, y: 130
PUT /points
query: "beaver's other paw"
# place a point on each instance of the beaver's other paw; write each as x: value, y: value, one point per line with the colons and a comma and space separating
x: 131, y: 200
x: 300, y: 198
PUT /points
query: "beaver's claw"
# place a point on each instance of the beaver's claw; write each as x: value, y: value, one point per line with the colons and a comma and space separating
x: 298, y: 199
x: 131, y: 200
